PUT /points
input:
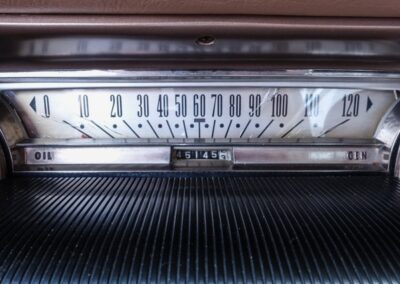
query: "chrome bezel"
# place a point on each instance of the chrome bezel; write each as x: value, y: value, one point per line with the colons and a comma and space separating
x: 386, y: 133
x: 3, y: 165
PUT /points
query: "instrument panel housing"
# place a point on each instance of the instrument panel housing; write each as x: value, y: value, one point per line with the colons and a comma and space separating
x: 381, y: 146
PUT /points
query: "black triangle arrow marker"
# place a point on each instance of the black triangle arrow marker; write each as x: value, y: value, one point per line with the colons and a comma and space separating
x: 33, y: 104
x: 369, y: 104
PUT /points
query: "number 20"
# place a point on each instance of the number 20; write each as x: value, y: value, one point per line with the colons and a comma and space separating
x: 116, y: 107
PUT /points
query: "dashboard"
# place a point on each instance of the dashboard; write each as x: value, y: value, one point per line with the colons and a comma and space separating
x: 221, y: 141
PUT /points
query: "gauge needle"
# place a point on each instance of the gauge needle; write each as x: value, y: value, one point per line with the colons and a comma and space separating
x: 291, y: 129
x: 334, y: 127
x: 77, y: 129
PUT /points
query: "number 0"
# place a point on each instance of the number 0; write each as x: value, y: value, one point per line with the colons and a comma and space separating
x: 46, y: 103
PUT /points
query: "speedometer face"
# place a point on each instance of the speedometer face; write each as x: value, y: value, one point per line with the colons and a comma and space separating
x: 219, y: 112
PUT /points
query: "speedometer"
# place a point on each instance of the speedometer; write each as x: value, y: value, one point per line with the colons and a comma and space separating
x: 205, y: 121
x: 208, y: 113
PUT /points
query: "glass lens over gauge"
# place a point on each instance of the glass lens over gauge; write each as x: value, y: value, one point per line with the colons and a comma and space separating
x: 202, y: 112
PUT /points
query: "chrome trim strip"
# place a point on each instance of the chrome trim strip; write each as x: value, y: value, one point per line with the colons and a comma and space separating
x: 137, y: 75
x: 191, y: 142
x: 182, y: 78
x: 299, y: 84
x: 128, y: 158
x: 96, y: 156
x: 123, y: 47
x: 121, y: 79
x: 360, y: 158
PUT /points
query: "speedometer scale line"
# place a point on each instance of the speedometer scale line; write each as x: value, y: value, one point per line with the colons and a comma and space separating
x: 184, y: 127
x: 334, y: 127
x: 245, y: 128
x: 102, y: 129
x: 213, y: 129
x: 170, y: 129
x: 229, y: 127
x: 130, y: 128
x: 291, y: 129
x: 152, y: 128
x: 266, y: 127
x: 77, y: 129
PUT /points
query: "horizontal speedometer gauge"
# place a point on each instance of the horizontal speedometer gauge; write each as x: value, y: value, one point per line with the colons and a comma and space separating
x: 203, y: 112
x: 203, y: 121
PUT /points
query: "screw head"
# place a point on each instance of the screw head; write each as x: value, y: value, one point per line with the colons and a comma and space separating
x: 205, y: 40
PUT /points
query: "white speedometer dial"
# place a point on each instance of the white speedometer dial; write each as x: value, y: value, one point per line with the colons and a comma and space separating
x: 202, y: 112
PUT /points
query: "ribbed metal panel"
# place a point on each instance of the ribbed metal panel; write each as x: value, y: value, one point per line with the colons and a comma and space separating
x: 335, y: 229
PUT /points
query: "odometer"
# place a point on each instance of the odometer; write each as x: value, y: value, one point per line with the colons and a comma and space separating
x: 202, y: 112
